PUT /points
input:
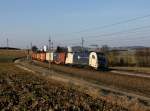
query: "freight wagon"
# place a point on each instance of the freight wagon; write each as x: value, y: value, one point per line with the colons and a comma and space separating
x: 93, y: 59
x: 43, y: 56
x: 34, y: 55
x: 59, y: 57
x: 38, y: 56
x: 50, y: 56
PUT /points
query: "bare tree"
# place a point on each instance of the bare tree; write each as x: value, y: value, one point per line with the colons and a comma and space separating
x: 34, y: 48
x: 105, y: 49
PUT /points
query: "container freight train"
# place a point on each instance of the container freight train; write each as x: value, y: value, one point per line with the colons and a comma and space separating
x: 95, y: 60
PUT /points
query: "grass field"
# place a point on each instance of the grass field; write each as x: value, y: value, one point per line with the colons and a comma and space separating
x: 137, y: 85
x: 21, y: 90
x: 10, y: 55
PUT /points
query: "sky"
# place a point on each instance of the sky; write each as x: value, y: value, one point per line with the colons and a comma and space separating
x: 66, y: 21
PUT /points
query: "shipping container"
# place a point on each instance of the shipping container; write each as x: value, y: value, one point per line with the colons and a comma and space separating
x: 38, y: 56
x: 50, y: 56
x: 55, y: 56
x: 34, y: 56
x: 47, y: 56
x: 59, y: 58
x: 69, y: 58
x: 42, y: 56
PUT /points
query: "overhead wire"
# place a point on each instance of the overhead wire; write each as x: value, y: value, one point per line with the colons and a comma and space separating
x: 135, y: 36
x: 112, y: 34
x: 111, y: 25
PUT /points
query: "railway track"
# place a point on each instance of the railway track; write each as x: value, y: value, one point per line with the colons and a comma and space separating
x: 131, y: 74
x: 129, y: 82
x: 67, y: 76
x: 113, y: 71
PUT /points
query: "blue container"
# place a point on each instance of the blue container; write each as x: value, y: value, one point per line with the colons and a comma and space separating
x: 55, y: 56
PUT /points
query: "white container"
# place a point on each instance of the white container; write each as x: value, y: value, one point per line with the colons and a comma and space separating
x: 49, y: 56
x: 69, y: 58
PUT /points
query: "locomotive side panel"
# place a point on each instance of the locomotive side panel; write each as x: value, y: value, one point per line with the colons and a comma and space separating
x: 80, y: 58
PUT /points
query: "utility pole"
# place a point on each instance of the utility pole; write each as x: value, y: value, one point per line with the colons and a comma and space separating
x: 27, y: 53
x: 49, y: 42
x: 31, y: 46
x: 7, y: 43
x: 31, y: 50
x: 82, y: 43
x: 52, y: 47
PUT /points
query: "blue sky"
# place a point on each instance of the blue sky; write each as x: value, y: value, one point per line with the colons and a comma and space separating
x: 25, y: 21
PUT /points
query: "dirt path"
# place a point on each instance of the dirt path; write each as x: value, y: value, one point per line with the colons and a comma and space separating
x: 89, y: 87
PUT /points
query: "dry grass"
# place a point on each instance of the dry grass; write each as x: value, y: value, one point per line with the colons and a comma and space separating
x: 21, y: 90
x: 9, y: 55
x: 135, y: 85
x: 131, y: 104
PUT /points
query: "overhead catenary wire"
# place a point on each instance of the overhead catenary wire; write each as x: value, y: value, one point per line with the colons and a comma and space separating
x: 126, y: 39
x: 122, y: 37
x: 121, y: 32
x: 113, y: 33
x: 111, y: 25
x: 118, y: 23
